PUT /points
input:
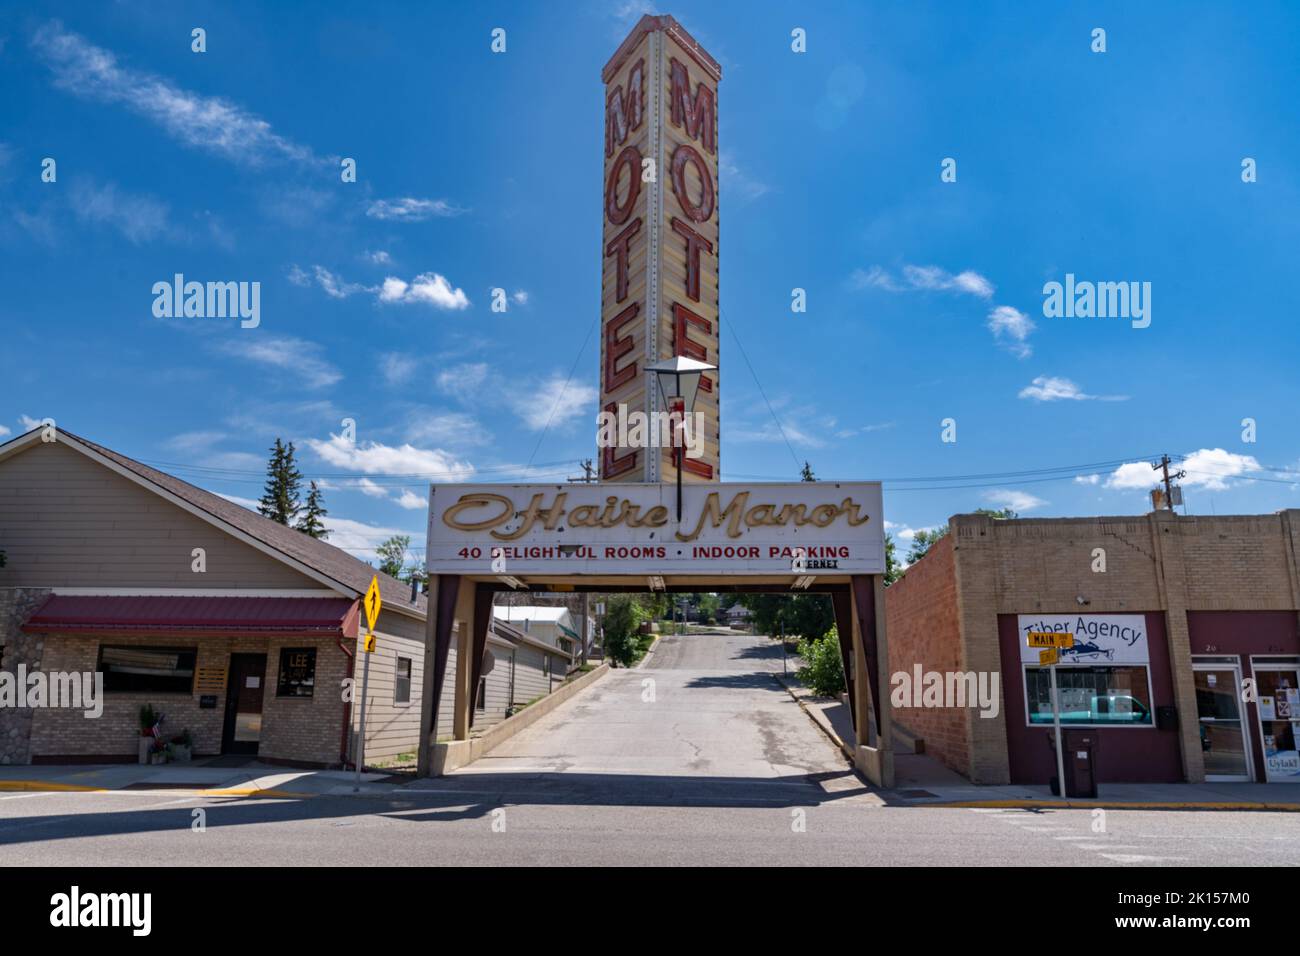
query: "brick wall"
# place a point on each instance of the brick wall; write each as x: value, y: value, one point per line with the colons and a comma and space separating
x: 294, y: 729
x: 922, y: 626
x: 16, y: 606
x: 1158, y: 562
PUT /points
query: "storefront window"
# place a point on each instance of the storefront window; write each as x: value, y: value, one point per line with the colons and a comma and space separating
x: 297, y: 672
x: 1105, y: 696
x: 151, y: 670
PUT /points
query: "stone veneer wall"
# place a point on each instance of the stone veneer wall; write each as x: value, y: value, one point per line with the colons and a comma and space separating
x: 16, y: 606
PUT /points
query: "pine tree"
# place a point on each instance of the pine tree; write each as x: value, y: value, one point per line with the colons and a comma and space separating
x: 310, y: 523
x: 280, y: 500
x: 807, y: 473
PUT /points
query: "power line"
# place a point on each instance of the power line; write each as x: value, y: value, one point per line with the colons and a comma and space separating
x: 560, y: 398
x: 731, y: 326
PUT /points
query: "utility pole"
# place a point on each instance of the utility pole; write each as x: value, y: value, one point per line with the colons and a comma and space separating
x: 587, y: 478
x: 1163, y: 465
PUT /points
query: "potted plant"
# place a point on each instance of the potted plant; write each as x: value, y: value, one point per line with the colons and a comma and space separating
x: 149, y: 719
x: 180, y: 749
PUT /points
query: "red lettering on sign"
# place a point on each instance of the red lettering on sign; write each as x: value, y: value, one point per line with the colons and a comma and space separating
x: 683, y: 154
x: 697, y: 116
x: 623, y: 112
x: 694, y: 243
x: 619, y: 248
x: 629, y: 159
x: 683, y: 344
x: 610, y: 464
x: 616, y: 348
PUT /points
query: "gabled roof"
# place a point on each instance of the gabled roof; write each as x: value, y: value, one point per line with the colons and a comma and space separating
x: 549, y: 614
x: 314, y: 557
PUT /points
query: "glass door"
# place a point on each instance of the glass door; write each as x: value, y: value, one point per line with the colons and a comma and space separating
x: 1219, y: 714
x: 1278, y: 687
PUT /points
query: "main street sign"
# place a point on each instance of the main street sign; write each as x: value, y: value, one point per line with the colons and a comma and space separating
x: 659, y: 246
x: 820, y: 527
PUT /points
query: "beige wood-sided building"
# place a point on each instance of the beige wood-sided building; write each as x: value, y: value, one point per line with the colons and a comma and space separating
x: 238, y: 629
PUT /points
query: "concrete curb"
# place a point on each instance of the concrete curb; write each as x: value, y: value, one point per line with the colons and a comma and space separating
x: 818, y: 718
x: 454, y: 754
x: 649, y: 653
x: 1106, y: 805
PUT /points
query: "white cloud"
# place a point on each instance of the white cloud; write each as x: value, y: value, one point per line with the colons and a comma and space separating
x: 1208, y: 467
x: 739, y: 183
x: 374, y: 458
x: 1087, y: 479
x: 397, y: 368
x: 1013, y: 325
x: 360, y: 539
x: 379, y: 257
x: 446, y: 428
x: 29, y: 423
x: 428, y: 288
x: 551, y: 402
x: 463, y: 378
x: 926, y: 278
x: 289, y: 354
x: 1017, y: 501
x: 370, y: 489
x: 203, y: 122
x: 1047, y: 388
x: 411, y: 501
x: 519, y: 297
x: 4, y: 430
x: 138, y: 218
x: 408, y: 209
x: 335, y: 287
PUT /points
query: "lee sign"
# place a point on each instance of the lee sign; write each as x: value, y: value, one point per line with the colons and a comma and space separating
x: 827, y: 527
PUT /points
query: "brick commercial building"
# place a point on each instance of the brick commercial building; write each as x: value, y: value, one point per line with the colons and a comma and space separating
x: 1185, y: 664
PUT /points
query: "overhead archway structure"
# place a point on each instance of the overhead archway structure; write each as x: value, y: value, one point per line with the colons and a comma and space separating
x: 815, y: 537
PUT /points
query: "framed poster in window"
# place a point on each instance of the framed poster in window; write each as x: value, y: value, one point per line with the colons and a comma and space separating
x: 297, y: 672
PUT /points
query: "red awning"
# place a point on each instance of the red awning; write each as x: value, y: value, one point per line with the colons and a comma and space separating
x: 78, y: 614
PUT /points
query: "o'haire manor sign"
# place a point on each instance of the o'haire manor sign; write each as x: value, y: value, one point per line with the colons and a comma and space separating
x: 830, y: 527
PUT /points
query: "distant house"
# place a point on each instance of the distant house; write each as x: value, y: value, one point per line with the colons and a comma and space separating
x: 518, y: 669
x: 554, y: 625
x: 739, y: 616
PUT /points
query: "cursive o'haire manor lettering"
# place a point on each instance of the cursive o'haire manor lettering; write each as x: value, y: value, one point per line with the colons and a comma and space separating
x: 484, y: 511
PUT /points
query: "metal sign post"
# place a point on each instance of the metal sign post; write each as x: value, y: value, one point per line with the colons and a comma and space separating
x: 1056, y: 723
x: 1051, y: 643
x: 372, y: 603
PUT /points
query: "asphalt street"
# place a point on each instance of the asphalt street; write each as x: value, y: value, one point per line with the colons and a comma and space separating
x: 698, y: 758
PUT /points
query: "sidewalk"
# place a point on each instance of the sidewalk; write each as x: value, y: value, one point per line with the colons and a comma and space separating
x: 250, y: 780
x: 922, y: 781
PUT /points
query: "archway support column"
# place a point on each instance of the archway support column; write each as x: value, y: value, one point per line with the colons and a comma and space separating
x: 874, y: 755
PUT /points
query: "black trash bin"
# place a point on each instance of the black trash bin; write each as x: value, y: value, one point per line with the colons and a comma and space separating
x: 1080, y: 763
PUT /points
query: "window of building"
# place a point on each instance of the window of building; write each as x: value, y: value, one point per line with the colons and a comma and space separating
x: 481, y: 703
x: 297, y: 672
x: 151, y: 670
x: 402, y: 681
x: 1095, y: 696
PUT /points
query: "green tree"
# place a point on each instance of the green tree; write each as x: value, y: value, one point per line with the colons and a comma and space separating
x: 806, y: 473
x: 925, y: 540
x: 892, y: 569
x: 280, y: 500
x: 709, y: 608
x: 823, y: 668
x: 808, y: 615
x: 310, y: 522
x: 623, y: 617
x: 392, y: 554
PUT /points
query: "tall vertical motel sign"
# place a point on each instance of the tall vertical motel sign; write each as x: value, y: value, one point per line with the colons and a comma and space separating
x: 659, y: 279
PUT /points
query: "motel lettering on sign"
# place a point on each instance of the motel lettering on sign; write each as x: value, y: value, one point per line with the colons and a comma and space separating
x: 659, y: 278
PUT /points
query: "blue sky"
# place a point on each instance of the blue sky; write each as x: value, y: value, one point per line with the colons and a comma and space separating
x: 479, y: 170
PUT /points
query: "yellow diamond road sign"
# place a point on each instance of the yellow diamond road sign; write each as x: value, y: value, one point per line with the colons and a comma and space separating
x: 372, y: 602
x: 1049, y: 639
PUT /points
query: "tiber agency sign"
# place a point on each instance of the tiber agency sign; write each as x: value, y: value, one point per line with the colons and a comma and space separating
x: 829, y: 527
